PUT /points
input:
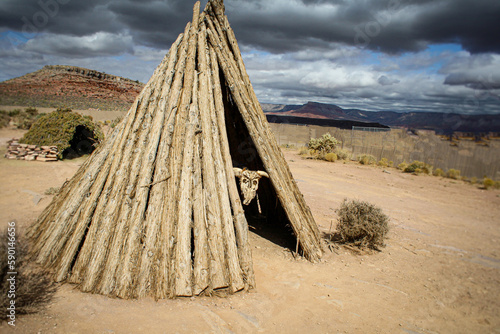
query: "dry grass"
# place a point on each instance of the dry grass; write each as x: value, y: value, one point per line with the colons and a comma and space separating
x: 33, y: 287
x: 362, y: 224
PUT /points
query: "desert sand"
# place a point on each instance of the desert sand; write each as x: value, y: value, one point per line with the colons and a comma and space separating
x: 439, y: 272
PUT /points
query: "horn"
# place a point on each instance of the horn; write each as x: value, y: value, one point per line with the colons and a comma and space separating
x: 262, y: 174
x: 237, y: 171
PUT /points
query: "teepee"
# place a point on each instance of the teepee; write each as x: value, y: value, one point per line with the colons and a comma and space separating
x: 156, y: 210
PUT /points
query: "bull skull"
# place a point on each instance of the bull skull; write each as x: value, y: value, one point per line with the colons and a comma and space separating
x: 249, y: 182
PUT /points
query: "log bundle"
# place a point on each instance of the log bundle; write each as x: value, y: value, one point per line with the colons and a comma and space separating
x: 155, y: 210
x: 17, y: 151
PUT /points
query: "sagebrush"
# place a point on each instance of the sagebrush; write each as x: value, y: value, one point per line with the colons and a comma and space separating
x: 33, y: 287
x: 367, y: 159
x: 418, y: 167
x: 19, y: 119
x: 362, y: 224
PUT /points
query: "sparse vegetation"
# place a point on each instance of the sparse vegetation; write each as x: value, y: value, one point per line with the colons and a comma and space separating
x: 323, y: 148
x: 17, y: 118
x: 304, y: 151
x: 418, y: 167
x: 343, y: 154
x: 367, y: 159
x: 323, y: 145
x: 52, y: 191
x: 385, y: 163
x: 453, y: 174
x: 362, y: 224
x: 438, y: 172
x: 33, y: 288
x: 402, y: 166
x: 488, y: 183
x: 65, y: 129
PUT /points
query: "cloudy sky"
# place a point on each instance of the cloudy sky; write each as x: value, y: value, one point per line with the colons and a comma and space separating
x: 401, y: 55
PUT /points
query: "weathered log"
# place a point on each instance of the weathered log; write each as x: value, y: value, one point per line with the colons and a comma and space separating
x: 218, y: 270
x: 240, y: 222
x: 201, y: 250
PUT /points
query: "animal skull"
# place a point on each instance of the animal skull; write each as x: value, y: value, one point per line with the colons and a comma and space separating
x: 249, y: 182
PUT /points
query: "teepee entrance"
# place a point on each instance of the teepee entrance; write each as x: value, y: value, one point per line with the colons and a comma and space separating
x: 156, y: 210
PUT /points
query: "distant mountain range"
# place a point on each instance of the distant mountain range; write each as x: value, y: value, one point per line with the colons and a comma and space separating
x: 440, y: 122
x: 81, y: 88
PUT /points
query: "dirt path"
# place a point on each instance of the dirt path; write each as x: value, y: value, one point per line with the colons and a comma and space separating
x: 438, y: 274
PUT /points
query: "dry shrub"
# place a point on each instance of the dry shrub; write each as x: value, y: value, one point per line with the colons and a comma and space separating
x: 417, y: 167
x: 332, y: 157
x: 33, y: 287
x: 385, y: 163
x: 488, y: 183
x: 402, y: 166
x: 367, y: 159
x: 453, y: 174
x: 362, y: 224
x: 438, y: 172
x: 343, y: 154
x: 19, y: 119
x: 304, y: 151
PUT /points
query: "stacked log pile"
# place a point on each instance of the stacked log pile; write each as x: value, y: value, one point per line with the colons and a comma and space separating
x: 17, y: 151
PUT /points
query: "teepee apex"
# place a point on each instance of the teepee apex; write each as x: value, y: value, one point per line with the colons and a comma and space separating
x: 156, y: 210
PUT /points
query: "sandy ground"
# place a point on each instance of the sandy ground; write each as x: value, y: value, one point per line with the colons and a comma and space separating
x: 438, y: 274
x: 97, y: 115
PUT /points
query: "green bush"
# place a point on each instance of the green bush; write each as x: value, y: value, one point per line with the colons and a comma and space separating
x: 418, y: 167
x: 332, y: 157
x: 488, y: 183
x: 367, y: 159
x: 34, y: 289
x: 362, y: 224
x: 438, y: 172
x: 453, y: 174
x: 323, y: 145
x: 59, y: 129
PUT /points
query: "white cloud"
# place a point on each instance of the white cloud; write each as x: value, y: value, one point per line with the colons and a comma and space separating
x: 98, y: 44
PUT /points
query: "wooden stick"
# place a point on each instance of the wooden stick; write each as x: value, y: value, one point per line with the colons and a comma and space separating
x: 218, y: 270
x: 148, y: 274
x: 240, y: 222
x: 231, y: 251
x: 134, y: 197
x: 183, y: 265
x: 201, y: 251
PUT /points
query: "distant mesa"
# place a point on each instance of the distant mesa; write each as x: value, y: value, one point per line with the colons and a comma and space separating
x: 323, y: 114
x: 57, y: 86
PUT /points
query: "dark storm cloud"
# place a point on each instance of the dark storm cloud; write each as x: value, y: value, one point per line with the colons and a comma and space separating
x: 390, y: 26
